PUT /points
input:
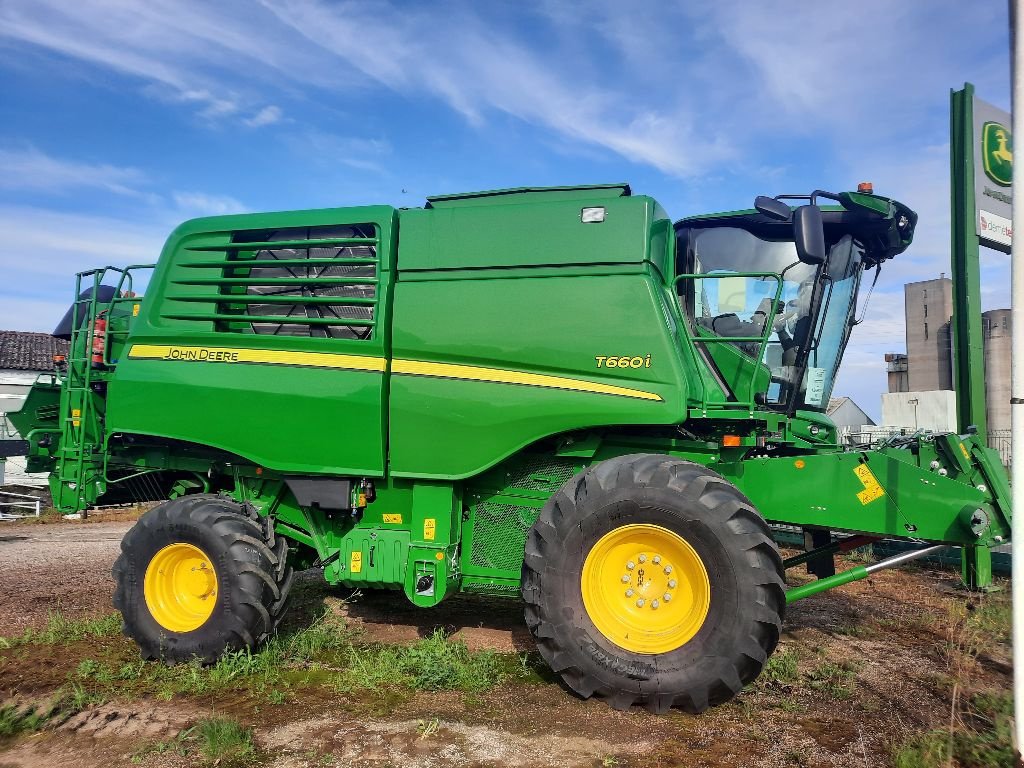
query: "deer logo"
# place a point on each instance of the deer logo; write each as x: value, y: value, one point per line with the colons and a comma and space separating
x: 997, y: 153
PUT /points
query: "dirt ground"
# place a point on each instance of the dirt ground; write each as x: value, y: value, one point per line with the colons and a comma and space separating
x: 896, y: 635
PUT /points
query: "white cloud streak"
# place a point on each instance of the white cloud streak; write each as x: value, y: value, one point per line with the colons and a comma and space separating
x: 30, y: 169
x: 201, y: 204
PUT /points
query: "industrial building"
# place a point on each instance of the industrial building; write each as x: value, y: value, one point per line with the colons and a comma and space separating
x: 920, y: 381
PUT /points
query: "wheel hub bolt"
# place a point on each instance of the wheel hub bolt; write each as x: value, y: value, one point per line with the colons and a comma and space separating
x: 671, y: 583
x: 625, y: 579
x: 630, y: 592
x: 668, y: 569
x: 642, y: 558
x: 640, y: 602
x: 654, y: 605
x: 631, y: 565
x: 666, y: 597
x: 656, y: 559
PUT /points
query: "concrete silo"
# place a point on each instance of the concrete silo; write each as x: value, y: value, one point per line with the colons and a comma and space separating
x: 996, y: 329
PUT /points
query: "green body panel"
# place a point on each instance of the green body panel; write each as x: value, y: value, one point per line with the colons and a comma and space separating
x: 324, y: 420
x: 511, y: 345
x: 549, y: 325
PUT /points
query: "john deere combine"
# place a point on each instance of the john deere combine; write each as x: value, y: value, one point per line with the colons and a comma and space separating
x: 553, y: 393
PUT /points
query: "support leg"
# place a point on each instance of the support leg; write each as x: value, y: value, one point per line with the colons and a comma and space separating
x: 976, y: 568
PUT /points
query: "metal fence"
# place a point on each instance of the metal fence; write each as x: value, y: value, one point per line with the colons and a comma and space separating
x: 998, y: 439
x: 26, y: 506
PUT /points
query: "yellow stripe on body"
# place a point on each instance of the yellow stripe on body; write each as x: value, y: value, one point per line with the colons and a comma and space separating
x: 503, y: 376
x: 258, y: 356
x: 379, y: 364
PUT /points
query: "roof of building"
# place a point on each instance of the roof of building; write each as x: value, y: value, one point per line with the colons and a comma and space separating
x: 29, y: 351
x: 835, y: 402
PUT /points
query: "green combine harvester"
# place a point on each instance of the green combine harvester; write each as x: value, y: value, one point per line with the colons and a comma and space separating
x: 549, y: 394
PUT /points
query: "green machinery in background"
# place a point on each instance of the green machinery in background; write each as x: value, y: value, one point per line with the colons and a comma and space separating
x: 557, y: 394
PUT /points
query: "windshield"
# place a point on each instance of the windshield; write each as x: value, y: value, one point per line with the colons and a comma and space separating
x: 754, y: 306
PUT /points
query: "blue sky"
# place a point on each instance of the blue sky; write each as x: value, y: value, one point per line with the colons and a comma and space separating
x: 120, y: 119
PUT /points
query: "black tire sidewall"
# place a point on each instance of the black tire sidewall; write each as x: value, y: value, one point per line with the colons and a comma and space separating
x: 734, y: 544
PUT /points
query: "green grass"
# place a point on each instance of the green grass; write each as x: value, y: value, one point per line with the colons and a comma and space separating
x: 62, y: 629
x: 219, y: 741
x: 224, y: 741
x: 982, y: 740
x: 14, y: 721
x: 325, y: 654
x: 832, y: 678
x: 991, y: 617
x: 781, y: 667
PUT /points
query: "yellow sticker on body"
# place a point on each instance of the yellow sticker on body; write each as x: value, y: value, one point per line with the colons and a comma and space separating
x: 429, y: 528
x: 392, y: 518
x: 963, y: 450
x: 872, y: 488
x: 356, y: 564
x: 135, y: 310
x: 76, y: 416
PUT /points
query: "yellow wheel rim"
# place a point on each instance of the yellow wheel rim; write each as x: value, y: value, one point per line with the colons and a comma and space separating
x: 181, y: 587
x: 645, y: 588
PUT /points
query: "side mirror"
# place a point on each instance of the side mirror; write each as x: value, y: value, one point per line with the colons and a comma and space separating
x: 809, y: 234
x: 772, y: 208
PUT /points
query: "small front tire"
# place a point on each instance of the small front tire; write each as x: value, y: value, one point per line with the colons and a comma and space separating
x: 200, y: 576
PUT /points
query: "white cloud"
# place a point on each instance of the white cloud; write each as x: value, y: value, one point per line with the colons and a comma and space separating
x: 266, y: 116
x: 182, y: 51
x: 201, y: 204
x: 39, y: 244
x: 31, y: 169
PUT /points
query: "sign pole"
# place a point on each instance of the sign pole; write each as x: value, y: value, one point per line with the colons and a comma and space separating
x: 968, y: 352
x: 1017, y: 387
x: 965, y: 264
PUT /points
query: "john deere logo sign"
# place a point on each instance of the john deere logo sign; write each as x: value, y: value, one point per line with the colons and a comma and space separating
x: 997, y: 153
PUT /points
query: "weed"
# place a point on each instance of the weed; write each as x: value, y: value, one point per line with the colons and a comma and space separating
x: 433, y: 664
x: 991, y: 617
x: 220, y: 741
x: 861, y: 555
x: 781, y: 667
x: 175, y: 746
x: 792, y: 706
x: 15, y: 720
x: 832, y: 678
x: 276, y: 696
x: 224, y: 741
x: 439, y: 663
x: 79, y: 697
x: 62, y: 629
x: 610, y: 761
x: 428, y: 728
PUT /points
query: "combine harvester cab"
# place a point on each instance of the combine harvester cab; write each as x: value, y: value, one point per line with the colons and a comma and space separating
x: 554, y: 394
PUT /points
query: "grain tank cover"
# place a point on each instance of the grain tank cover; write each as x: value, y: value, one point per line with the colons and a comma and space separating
x: 528, y: 227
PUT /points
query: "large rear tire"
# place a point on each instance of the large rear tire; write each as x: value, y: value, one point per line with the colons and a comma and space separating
x: 650, y: 580
x: 199, y: 576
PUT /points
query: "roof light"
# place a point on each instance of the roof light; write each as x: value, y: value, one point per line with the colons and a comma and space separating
x: 866, y: 187
x: 592, y: 215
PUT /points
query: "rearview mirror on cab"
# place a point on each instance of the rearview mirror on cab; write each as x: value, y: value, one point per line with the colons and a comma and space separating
x: 809, y: 234
x: 772, y: 208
